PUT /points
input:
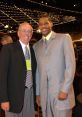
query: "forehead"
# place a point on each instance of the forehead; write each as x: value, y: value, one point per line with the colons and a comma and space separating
x: 44, y: 19
x: 25, y: 26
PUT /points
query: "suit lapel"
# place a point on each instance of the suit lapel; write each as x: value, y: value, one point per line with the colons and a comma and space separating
x: 20, y: 52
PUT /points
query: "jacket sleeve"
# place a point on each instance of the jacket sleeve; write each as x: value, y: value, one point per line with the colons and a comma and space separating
x: 70, y: 64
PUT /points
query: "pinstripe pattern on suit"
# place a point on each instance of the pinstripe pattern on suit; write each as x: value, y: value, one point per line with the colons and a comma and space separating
x: 55, y: 73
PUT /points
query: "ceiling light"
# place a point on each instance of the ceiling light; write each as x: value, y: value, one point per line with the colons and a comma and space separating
x: 6, y: 26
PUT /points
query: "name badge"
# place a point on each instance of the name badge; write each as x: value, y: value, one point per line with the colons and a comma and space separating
x: 28, y: 64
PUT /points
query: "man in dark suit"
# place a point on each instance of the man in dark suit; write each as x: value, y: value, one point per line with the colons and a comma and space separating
x: 16, y: 97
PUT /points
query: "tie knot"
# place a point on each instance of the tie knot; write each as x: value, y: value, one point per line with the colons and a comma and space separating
x: 46, y: 42
x: 27, y: 54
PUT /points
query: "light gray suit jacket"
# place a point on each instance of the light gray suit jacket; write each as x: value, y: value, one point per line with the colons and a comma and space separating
x: 55, y: 70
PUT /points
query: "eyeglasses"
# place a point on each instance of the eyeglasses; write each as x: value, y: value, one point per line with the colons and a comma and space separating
x: 26, y: 31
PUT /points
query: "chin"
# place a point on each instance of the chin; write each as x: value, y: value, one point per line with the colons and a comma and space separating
x: 45, y: 33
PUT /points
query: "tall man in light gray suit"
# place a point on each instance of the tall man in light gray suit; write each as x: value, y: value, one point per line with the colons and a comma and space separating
x: 55, y: 71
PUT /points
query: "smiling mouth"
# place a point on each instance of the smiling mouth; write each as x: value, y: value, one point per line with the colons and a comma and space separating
x: 44, y: 30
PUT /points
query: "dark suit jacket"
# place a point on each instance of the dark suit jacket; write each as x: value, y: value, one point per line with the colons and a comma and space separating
x: 13, y: 75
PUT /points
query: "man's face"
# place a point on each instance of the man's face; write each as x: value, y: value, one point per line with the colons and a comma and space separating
x: 45, y: 26
x: 25, y: 33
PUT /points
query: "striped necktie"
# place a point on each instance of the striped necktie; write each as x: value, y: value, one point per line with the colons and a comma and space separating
x: 27, y: 54
x: 29, y: 71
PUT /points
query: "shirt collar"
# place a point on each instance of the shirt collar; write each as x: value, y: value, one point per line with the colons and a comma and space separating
x: 23, y: 46
x: 48, y: 36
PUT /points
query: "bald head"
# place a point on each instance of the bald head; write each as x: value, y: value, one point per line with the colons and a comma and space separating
x: 25, y: 25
